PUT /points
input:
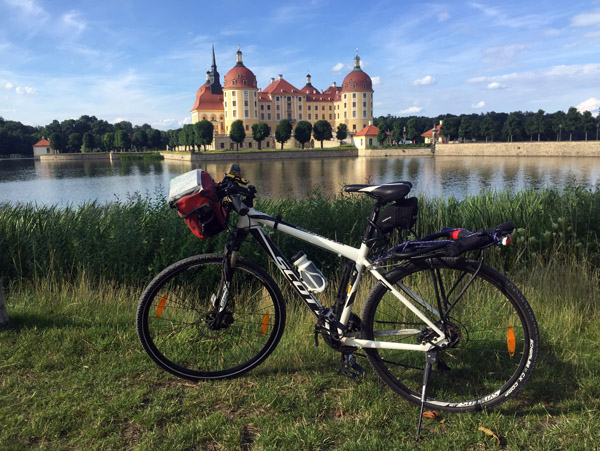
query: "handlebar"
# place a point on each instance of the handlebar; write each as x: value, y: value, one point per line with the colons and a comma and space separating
x: 230, y: 187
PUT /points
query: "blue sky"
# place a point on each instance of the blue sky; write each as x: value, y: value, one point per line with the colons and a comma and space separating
x: 143, y: 61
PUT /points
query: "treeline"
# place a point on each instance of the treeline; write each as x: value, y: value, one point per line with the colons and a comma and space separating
x: 86, y: 134
x: 492, y: 126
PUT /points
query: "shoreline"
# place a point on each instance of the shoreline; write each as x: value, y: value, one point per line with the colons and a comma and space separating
x: 497, y: 149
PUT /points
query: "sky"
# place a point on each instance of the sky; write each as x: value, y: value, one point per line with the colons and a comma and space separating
x: 143, y: 61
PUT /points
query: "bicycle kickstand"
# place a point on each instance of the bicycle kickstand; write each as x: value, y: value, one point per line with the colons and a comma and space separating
x: 430, y: 359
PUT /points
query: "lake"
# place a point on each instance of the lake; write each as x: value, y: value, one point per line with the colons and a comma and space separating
x: 73, y: 183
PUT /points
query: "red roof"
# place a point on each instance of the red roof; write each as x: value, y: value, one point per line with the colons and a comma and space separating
x: 357, y: 80
x: 429, y: 133
x: 206, y: 100
x: 239, y: 73
x: 369, y: 130
x: 281, y: 87
x: 42, y: 143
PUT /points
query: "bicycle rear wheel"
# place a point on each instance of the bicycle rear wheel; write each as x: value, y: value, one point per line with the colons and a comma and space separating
x: 494, y: 334
x: 179, y: 329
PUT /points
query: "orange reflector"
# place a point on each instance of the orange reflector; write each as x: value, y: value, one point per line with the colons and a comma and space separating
x: 511, y: 341
x: 265, y: 324
x: 161, y: 306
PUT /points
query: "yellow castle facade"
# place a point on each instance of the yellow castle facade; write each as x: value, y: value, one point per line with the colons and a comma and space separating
x: 239, y: 97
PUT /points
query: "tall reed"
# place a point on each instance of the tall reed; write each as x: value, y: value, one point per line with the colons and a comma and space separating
x: 131, y: 240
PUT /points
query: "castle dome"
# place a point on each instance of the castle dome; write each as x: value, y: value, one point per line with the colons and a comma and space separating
x: 239, y: 76
x: 357, y: 80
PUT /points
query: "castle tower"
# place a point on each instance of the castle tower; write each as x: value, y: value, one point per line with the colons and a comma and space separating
x: 354, y: 104
x: 240, y: 95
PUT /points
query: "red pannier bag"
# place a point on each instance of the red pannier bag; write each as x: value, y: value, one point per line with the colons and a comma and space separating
x: 201, y: 211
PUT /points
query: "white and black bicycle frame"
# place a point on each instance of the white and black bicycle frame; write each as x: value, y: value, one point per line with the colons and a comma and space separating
x: 253, y: 223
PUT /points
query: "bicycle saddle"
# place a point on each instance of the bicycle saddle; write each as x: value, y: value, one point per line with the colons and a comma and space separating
x: 387, y: 192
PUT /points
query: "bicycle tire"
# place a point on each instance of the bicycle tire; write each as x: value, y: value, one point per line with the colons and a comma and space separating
x: 177, y: 329
x: 482, y: 368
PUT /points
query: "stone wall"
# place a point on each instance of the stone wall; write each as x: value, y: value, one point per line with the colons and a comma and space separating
x: 80, y: 156
x: 281, y: 155
x: 521, y: 149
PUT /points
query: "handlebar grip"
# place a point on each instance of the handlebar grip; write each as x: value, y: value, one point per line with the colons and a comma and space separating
x: 238, y: 205
x: 507, y: 227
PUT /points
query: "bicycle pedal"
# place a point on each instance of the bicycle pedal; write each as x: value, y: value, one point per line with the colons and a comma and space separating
x: 351, y: 369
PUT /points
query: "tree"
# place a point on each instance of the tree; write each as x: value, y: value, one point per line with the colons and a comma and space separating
x: 122, y: 140
x: 411, y: 129
x: 237, y: 133
x: 381, y: 136
x: 341, y: 133
x: 512, y: 127
x: 302, y: 132
x: 154, y: 138
x: 487, y: 128
x: 74, y: 143
x: 587, y: 122
x: 283, y: 132
x: 173, y: 141
x: 539, y: 123
x: 558, y: 122
x: 88, y: 141
x: 322, y: 131
x: 260, y: 131
x: 573, y: 121
x: 108, y: 141
x: 140, y: 139
x: 465, y: 130
x: 397, y: 133
x: 56, y: 141
x: 204, y: 132
x: 449, y: 127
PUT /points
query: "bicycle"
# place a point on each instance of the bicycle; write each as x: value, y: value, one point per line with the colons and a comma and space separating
x: 442, y: 330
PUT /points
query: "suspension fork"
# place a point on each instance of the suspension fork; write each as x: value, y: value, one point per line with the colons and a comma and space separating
x: 220, y: 299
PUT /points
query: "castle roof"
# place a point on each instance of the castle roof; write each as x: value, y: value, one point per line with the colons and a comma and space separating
x: 42, y: 143
x: 206, y: 100
x: 281, y: 86
x: 239, y: 76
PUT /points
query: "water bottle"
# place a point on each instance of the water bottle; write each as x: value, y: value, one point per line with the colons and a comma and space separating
x: 309, y: 273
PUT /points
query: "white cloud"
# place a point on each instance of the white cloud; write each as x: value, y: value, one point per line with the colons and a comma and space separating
x: 592, y: 104
x: 30, y: 9
x: 161, y: 123
x: 8, y: 85
x: 376, y: 80
x: 586, y: 19
x: 338, y: 67
x: 411, y: 110
x: 502, y: 54
x: 26, y: 90
x: 573, y: 72
x: 427, y: 80
x: 444, y: 15
x: 478, y: 105
x: 182, y: 122
x: 496, y: 85
x: 72, y: 20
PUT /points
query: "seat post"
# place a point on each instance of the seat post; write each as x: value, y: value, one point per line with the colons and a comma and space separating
x: 370, y: 229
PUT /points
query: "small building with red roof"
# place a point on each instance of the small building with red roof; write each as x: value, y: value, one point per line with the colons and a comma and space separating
x: 42, y: 147
x: 367, y: 137
x: 428, y: 135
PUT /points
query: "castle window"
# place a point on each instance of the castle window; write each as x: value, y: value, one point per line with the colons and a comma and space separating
x: 353, y: 104
x: 299, y: 99
x: 329, y: 116
x: 239, y: 75
x: 245, y: 81
x: 234, y: 113
x: 364, y: 114
x: 329, y: 107
x: 233, y: 103
x: 278, y: 116
x: 245, y: 103
x: 300, y: 116
x: 289, y: 99
x: 344, y: 96
x: 262, y: 107
x: 268, y: 116
x: 316, y: 116
x: 308, y: 107
x: 364, y: 95
x: 353, y: 126
x: 277, y: 107
x: 233, y: 82
x: 354, y: 95
x: 364, y: 84
x: 309, y: 117
x: 268, y: 107
x: 246, y: 113
x: 277, y: 98
x: 222, y: 145
x: 364, y: 104
x: 354, y: 114
x: 262, y: 116
x: 354, y: 85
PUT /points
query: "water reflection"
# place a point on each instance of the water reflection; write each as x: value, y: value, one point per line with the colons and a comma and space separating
x: 76, y: 182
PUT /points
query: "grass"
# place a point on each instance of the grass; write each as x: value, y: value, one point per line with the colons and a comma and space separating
x: 131, y: 240
x: 74, y: 376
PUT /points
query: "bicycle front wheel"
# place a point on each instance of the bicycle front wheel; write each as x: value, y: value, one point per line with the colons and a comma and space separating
x: 492, y: 331
x: 184, y: 333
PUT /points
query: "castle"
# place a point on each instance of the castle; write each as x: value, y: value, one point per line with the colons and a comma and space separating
x: 240, y: 98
